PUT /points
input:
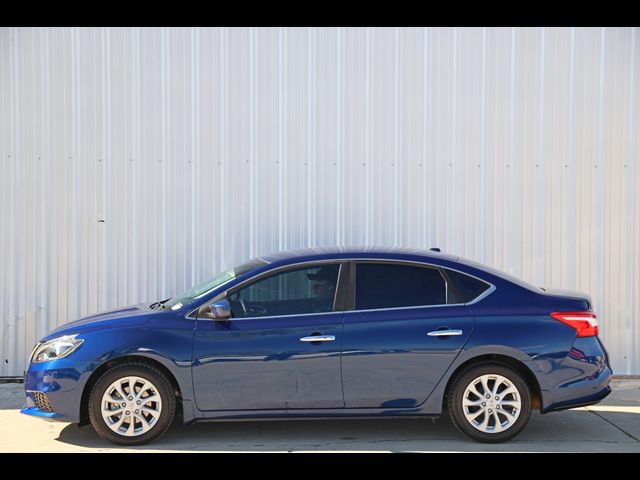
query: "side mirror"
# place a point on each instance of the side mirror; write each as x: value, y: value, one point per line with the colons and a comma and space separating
x: 221, y: 309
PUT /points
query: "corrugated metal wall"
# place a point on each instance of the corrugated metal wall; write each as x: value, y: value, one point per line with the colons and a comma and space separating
x: 137, y: 162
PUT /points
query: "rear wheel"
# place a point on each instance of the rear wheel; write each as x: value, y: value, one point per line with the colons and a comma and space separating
x: 132, y: 404
x: 490, y: 402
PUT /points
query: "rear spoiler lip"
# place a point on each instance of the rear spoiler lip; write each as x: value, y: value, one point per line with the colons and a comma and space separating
x: 569, y: 294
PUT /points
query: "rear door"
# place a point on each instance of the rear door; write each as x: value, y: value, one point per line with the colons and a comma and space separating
x: 404, y: 331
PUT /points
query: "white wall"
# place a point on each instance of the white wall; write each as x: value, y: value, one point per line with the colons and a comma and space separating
x: 137, y: 162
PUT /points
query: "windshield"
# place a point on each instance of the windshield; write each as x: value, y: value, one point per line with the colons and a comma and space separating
x: 204, y: 288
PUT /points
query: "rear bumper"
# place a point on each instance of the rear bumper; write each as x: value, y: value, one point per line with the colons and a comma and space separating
x: 589, y: 396
x: 581, y: 378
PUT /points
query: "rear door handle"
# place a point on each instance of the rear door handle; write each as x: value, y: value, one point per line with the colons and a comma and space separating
x: 444, y: 333
x: 318, y: 338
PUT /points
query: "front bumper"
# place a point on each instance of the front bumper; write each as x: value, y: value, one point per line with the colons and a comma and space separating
x: 54, y: 390
x: 36, y: 412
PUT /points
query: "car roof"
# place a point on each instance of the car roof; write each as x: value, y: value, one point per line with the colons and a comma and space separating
x: 484, y: 272
x: 318, y: 253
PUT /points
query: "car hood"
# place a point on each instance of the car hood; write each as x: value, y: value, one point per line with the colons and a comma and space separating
x: 132, y: 315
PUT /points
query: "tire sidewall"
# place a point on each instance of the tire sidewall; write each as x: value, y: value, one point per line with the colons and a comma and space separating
x: 150, y: 374
x: 456, y: 410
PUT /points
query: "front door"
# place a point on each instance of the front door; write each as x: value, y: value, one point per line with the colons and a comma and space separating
x: 402, y: 336
x: 279, y: 350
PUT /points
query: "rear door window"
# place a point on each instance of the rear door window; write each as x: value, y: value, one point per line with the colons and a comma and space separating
x: 388, y: 285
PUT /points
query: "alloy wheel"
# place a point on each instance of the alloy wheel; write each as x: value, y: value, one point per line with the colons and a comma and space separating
x: 491, y: 403
x: 131, y: 406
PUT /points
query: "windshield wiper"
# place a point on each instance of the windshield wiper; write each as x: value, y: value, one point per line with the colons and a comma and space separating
x: 159, y: 305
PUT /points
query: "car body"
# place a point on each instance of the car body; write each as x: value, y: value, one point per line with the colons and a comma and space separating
x: 256, y: 343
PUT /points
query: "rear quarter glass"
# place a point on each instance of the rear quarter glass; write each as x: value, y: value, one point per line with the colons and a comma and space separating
x: 467, y: 287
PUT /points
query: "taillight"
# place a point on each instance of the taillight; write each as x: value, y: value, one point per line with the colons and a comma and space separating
x: 585, y: 323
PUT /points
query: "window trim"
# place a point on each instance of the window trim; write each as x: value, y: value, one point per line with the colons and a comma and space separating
x: 346, y: 284
x: 454, y: 288
x: 338, y: 299
x: 350, y: 304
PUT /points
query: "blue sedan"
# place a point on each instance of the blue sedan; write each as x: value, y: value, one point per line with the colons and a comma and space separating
x: 327, y: 333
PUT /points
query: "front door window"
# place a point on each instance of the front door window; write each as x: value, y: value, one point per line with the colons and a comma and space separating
x: 292, y: 292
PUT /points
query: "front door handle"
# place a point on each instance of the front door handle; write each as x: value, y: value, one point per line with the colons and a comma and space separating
x: 318, y: 338
x: 444, y: 333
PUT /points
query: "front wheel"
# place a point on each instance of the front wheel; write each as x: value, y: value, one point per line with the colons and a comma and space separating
x: 490, y: 403
x: 131, y: 404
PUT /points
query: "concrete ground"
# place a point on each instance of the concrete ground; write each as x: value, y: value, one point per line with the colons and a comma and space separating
x: 611, y: 426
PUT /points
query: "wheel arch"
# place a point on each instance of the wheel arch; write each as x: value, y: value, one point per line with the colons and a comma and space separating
x: 183, y: 412
x: 517, y: 365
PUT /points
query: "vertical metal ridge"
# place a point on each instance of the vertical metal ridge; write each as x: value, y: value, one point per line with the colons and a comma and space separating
x: 285, y: 147
x: 451, y: 219
x: 541, y: 164
x: 396, y: 136
x: 108, y: 166
x: 252, y: 141
x: 164, y: 160
x: 600, y: 185
x: 74, y: 153
x: 426, y: 90
x: 631, y: 254
x: 137, y: 161
x: 223, y: 143
x: 281, y: 127
x: 5, y: 213
x: 48, y: 197
x: 367, y: 138
x: 511, y: 159
x: 340, y: 204
x: 570, y: 166
x: 195, y: 154
x: 311, y: 146
x: 483, y: 143
x: 13, y: 331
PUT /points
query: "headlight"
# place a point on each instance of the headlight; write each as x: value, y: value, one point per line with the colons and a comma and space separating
x: 57, y: 348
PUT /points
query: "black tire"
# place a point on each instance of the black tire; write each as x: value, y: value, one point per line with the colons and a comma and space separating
x: 456, y: 409
x: 146, y: 372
